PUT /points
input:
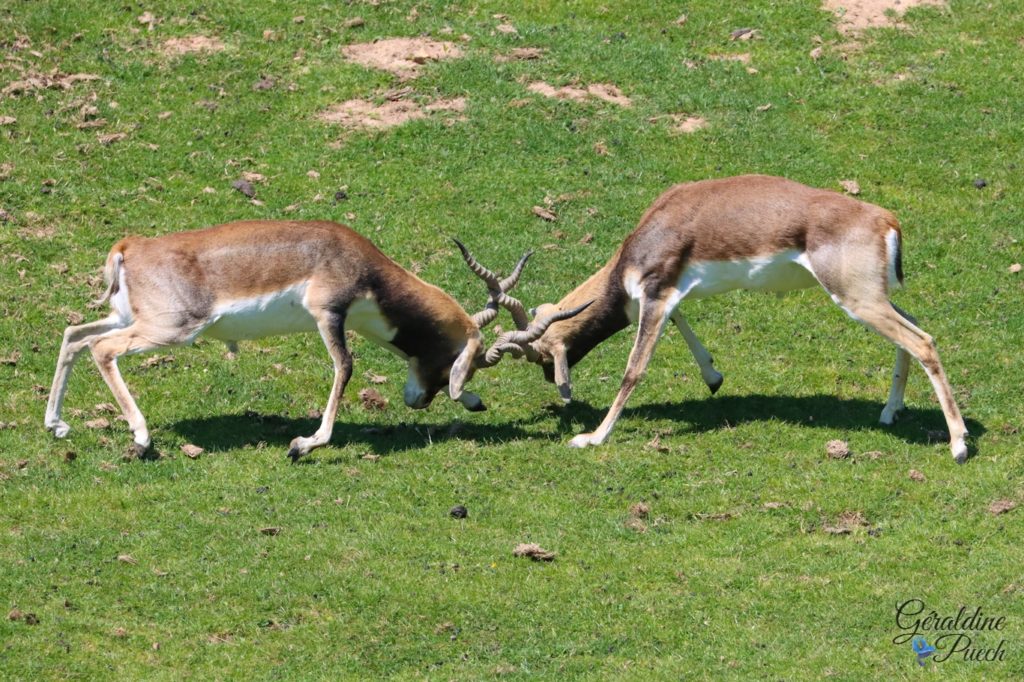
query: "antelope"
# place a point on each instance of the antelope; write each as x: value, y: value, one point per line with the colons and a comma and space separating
x: 753, y: 232
x: 252, y: 279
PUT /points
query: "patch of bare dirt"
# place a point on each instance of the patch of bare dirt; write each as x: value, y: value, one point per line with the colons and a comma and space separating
x: 36, y: 80
x: 372, y: 399
x: 745, y: 34
x: 682, y: 124
x: 850, y: 186
x: 1001, y: 506
x: 520, y: 54
x: 361, y: 114
x: 191, y: 44
x: 686, y: 124
x: 741, y: 57
x: 640, y: 510
x: 837, y: 449
x: 637, y: 513
x: 192, y: 451
x: 856, y: 15
x: 847, y: 522
x: 401, y: 56
x: 534, y: 551
x: 544, y: 214
x: 601, y: 91
x: 738, y: 57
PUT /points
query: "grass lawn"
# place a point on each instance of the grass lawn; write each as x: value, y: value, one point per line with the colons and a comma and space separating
x: 125, y: 123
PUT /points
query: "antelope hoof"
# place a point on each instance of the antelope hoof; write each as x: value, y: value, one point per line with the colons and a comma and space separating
x: 472, y: 402
x: 583, y: 440
x: 59, y: 429
x: 298, y: 448
x: 889, y: 414
x: 959, y: 448
x: 715, y: 384
x: 140, y: 450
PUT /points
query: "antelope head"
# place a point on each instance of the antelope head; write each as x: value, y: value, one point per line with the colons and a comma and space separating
x: 527, y: 341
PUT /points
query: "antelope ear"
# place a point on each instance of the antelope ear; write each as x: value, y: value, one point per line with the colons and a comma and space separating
x: 462, y: 366
x: 562, y: 379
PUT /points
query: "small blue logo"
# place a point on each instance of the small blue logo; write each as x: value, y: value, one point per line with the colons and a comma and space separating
x: 923, y: 649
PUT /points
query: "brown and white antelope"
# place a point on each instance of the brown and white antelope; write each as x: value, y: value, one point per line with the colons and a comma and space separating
x: 248, y: 280
x: 750, y: 232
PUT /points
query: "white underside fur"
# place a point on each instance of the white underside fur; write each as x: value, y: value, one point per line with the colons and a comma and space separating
x: 780, y: 272
x: 273, y: 314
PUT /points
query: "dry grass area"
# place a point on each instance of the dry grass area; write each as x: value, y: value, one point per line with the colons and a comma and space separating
x: 403, y: 57
x: 364, y: 114
x: 855, y: 16
x: 196, y: 44
x: 601, y: 91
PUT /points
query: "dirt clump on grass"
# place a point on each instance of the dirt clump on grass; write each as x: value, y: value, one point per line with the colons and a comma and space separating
x: 837, y: 449
x: 521, y: 54
x: 686, y: 124
x: 1001, y: 507
x: 847, y: 522
x: 857, y: 15
x: 32, y: 80
x: 361, y: 114
x: 637, y: 513
x: 602, y: 91
x: 533, y: 551
x: 372, y: 400
x: 742, y: 57
x: 401, y: 56
x: 191, y: 44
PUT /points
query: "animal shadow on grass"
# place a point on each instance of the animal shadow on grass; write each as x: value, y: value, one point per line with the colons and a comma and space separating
x: 914, y: 424
x: 226, y: 432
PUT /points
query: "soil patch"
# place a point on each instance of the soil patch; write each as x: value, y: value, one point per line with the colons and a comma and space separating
x: 602, y: 91
x: 857, y: 15
x: 361, y: 114
x: 520, y: 54
x: 401, y: 56
x: 742, y: 57
x: 191, y: 44
x: 683, y: 123
x: 36, y: 80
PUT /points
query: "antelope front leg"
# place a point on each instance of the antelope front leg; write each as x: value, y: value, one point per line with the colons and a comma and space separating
x: 712, y: 377
x: 562, y: 376
x: 651, y: 323
x: 332, y: 330
x: 76, y: 340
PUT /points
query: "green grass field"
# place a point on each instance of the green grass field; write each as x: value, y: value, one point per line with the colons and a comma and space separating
x: 112, y: 567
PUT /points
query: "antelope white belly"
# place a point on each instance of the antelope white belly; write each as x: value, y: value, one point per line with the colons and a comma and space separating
x: 273, y: 314
x: 780, y: 272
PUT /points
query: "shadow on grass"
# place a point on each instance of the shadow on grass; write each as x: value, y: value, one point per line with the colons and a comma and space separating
x: 915, y: 425
x: 227, y: 432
